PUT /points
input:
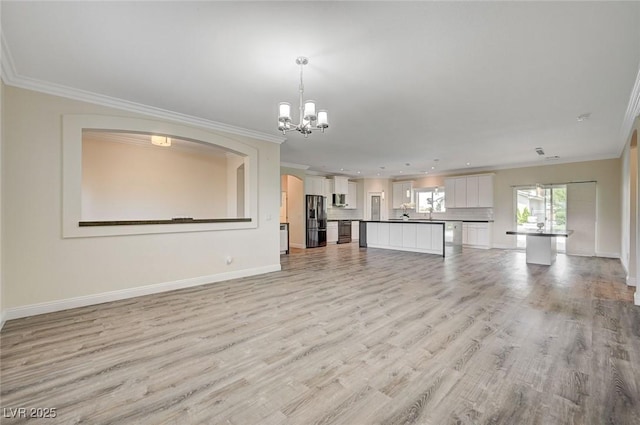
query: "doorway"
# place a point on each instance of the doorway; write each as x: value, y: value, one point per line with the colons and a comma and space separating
x: 545, y: 204
x: 292, y: 208
x: 375, y: 208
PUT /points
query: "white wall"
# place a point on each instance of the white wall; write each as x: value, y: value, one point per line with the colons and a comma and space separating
x: 2, y: 309
x: 296, y: 213
x: 630, y: 236
x: 131, y: 182
x: 42, y: 271
x: 377, y: 186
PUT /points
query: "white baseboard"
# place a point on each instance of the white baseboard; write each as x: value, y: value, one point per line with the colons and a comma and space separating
x: 2, y: 319
x: 51, y: 306
x: 608, y: 254
x: 636, y: 298
x: 499, y: 246
x: 631, y: 281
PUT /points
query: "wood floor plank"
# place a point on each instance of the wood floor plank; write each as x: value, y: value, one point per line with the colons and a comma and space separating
x: 344, y: 335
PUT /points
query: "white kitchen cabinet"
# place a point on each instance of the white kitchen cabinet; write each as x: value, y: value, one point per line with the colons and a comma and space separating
x: 355, y: 230
x: 472, y: 192
x: 384, y: 233
x: 284, y: 238
x: 332, y: 232
x: 315, y: 185
x: 469, y: 191
x: 409, y: 236
x: 328, y: 192
x: 423, y: 237
x: 476, y: 235
x: 450, y: 193
x: 395, y: 235
x: 437, y: 238
x: 402, y: 193
x: 352, y: 196
x: 460, y: 193
x: 485, y: 191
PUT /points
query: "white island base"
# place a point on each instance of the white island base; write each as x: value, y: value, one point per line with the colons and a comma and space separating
x: 541, y: 250
x: 426, y: 237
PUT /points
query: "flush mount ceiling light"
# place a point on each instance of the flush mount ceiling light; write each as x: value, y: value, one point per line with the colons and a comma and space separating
x: 161, y: 141
x: 309, y: 119
x: 584, y: 117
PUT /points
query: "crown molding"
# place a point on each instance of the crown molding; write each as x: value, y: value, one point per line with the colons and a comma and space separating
x: 292, y: 165
x: 12, y: 78
x: 633, y: 111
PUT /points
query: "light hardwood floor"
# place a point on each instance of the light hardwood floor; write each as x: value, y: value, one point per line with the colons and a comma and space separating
x: 345, y: 336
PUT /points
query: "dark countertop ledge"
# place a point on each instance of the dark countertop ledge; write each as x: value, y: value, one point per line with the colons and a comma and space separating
x: 172, y: 221
x: 544, y: 233
x: 406, y: 221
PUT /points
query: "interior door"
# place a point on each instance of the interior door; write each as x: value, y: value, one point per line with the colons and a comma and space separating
x: 581, y: 218
x: 375, y: 208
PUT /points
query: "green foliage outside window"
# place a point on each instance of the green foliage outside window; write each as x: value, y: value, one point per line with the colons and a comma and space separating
x: 523, y: 216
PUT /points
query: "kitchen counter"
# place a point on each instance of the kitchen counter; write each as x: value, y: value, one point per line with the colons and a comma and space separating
x: 426, y: 236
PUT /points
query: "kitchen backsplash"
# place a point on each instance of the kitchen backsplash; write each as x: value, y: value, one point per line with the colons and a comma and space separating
x: 452, y: 214
x: 344, y: 214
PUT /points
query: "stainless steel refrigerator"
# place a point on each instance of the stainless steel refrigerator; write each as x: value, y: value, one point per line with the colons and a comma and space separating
x: 316, y: 221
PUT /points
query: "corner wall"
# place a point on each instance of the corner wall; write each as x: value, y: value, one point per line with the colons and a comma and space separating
x: 2, y: 310
x: 44, y: 272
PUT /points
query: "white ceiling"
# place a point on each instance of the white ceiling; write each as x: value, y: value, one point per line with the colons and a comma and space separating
x: 404, y: 82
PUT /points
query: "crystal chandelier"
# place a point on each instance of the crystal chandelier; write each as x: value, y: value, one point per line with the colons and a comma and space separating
x: 309, y: 119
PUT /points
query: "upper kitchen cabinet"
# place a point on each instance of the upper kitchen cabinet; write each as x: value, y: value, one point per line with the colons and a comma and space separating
x: 402, y: 193
x: 485, y: 191
x: 469, y: 191
x: 315, y: 185
x: 352, y: 196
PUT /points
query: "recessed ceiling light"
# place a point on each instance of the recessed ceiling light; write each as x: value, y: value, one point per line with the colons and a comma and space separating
x: 358, y: 172
x: 433, y: 167
x: 342, y: 169
x: 400, y: 172
x: 468, y: 163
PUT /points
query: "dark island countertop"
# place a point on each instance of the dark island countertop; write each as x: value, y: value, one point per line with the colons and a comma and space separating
x: 406, y: 221
x: 549, y: 233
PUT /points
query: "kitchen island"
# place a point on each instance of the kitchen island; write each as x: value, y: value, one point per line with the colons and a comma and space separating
x: 541, y: 244
x: 425, y: 236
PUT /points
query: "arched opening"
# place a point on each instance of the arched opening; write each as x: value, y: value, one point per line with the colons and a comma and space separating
x: 292, y: 209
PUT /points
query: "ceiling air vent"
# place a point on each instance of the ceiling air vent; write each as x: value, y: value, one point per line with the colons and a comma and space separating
x: 552, y: 158
x: 540, y: 151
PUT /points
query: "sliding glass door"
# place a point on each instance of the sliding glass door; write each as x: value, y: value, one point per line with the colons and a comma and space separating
x: 541, y: 204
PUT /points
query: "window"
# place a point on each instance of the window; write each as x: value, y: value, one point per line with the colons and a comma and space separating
x: 430, y: 199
